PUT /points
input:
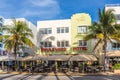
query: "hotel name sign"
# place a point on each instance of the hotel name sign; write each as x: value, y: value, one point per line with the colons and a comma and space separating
x: 62, y: 49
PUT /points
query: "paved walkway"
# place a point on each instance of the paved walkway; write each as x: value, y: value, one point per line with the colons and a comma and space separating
x: 56, y: 77
x: 62, y: 74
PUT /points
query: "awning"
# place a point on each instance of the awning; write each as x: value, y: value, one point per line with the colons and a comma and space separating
x: 57, y: 57
x: 32, y: 57
x: 83, y: 57
x: 7, y: 58
x: 115, y: 53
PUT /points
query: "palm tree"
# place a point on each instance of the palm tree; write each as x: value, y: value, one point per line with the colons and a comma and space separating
x: 104, y: 30
x: 18, y: 34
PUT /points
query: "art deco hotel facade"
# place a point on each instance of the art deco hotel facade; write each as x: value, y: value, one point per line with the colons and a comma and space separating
x: 67, y: 36
x: 64, y: 36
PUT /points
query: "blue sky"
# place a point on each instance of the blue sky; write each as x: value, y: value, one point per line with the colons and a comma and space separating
x: 35, y: 10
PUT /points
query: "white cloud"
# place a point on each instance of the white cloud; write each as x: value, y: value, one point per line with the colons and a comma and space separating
x: 43, y: 3
x: 30, y: 8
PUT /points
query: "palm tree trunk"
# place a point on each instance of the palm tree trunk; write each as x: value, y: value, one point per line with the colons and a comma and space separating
x: 104, y: 50
x: 15, y: 54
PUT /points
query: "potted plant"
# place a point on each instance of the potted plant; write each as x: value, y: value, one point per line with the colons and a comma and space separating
x: 116, y: 68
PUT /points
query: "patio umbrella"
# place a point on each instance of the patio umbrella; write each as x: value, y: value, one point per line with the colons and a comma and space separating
x: 57, y: 58
x: 28, y: 58
x: 115, y: 53
x: 37, y: 57
x: 83, y: 57
x: 32, y: 57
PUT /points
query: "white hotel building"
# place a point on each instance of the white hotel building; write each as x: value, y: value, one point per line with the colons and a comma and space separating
x: 1, y: 33
x: 54, y: 33
x: 116, y: 8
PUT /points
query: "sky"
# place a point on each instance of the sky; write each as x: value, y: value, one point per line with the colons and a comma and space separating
x: 38, y: 10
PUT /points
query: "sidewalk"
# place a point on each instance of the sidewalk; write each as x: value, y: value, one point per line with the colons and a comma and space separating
x: 63, y: 74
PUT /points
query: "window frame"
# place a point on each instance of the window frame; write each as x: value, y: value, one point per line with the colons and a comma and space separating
x: 82, y: 43
x: 62, y: 29
x: 45, y: 30
x: 115, y: 45
x: 63, y: 44
x: 46, y: 44
x: 82, y: 30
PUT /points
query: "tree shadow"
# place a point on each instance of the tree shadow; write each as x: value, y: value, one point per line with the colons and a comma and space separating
x: 97, y: 77
x: 57, y: 78
x: 42, y: 76
x: 24, y: 77
x: 7, y: 76
x: 69, y: 76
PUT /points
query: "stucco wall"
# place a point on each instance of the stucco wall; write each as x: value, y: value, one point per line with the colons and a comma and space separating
x: 54, y: 24
x: 81, y: 19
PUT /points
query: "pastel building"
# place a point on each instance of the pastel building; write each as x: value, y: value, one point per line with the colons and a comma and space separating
x: 116, y: 8
x: 79, y: 29
x: 54, y: 35
x: 2, y: 51
x: 64, y: 36
x: 115, y: 45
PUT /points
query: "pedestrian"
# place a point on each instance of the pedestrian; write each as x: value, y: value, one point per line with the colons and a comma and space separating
x: 110, y: 67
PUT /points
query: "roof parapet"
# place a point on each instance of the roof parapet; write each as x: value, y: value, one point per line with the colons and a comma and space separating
x: 112, y: 5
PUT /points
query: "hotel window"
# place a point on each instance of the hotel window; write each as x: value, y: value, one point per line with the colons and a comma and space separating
x: 116, y: 45
x: 67, y: 43
x: 58, y: 43
x: 67, y: 30
x: 62, y: 43
x: 82, y: 29
x: 45, y: 44
x: 62, y: 30
x: 45, y: 30
x: 58, y: 30
x: 41, y: 44
x: 82, y: 43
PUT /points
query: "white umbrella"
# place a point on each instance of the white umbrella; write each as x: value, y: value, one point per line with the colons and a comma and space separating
x: 115, y: 53
x: 83, y: 57
x: 57, y: 57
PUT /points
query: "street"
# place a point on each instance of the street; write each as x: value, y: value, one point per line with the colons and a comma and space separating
x: 56, y: 77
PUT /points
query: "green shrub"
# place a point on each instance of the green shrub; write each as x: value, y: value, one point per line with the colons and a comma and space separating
x: 116, y: 66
